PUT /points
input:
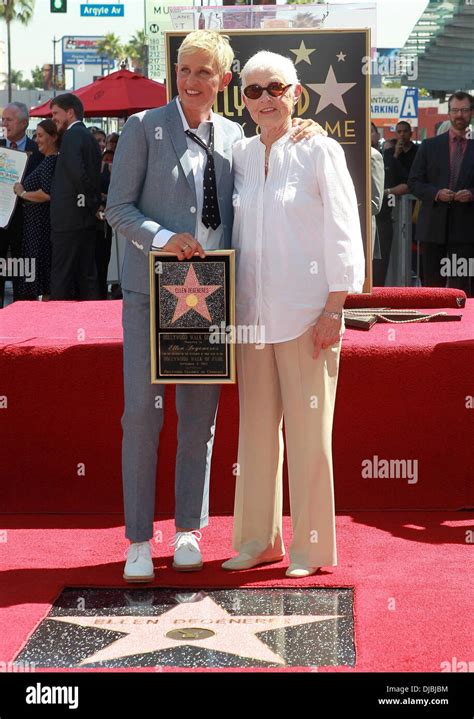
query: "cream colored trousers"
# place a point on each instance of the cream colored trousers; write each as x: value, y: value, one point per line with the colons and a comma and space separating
x: 279, y: 381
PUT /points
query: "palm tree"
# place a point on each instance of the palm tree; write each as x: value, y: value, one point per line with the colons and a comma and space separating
x: 137, y: 51
x: 11, y: 10
x: 16, y: 78
x: 111, y: 47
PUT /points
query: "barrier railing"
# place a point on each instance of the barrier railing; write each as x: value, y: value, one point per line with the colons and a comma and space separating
x: 400, y: 272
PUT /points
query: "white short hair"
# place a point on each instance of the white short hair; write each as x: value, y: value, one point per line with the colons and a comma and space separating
x: 270, y: 62
x: 21, y: 109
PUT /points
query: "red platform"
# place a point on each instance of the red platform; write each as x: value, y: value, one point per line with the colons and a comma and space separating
x: 403, y: 394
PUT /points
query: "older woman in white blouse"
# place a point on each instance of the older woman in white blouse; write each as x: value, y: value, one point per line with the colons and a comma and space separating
x: 299, y: 252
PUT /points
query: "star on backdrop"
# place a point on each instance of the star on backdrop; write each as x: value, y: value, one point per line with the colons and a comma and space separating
x: 331, y: 91
x: 302, y: 53
x: 340, y: 56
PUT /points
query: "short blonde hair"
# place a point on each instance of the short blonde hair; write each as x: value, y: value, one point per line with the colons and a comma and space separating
x: 217, y: 45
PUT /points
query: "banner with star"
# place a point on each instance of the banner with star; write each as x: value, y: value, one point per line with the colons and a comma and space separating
x: 332, y: 69
x: 192, y: 313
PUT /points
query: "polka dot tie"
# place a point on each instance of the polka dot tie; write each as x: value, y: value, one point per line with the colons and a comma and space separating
x: 210, y: 207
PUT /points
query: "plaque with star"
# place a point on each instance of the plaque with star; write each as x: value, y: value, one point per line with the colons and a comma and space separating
x: 333, y: 70
x: 191, y: 317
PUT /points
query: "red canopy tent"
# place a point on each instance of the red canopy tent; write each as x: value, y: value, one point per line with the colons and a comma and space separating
x: 119, y: 94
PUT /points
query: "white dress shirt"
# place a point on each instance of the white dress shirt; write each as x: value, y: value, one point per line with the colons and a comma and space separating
x: 208, y: 238
x: 296, y: 233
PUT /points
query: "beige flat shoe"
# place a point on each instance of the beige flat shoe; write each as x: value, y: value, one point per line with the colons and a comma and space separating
x: 298, y: 570
x: 246, y: 561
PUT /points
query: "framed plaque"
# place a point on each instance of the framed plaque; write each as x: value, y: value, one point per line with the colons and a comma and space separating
x: 192, y: 313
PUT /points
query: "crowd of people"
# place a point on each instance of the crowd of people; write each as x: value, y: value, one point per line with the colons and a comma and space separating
x: 58, y: 222
x: 439, y: 172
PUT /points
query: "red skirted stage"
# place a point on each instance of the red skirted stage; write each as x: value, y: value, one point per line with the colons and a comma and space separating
x: 403, y: 395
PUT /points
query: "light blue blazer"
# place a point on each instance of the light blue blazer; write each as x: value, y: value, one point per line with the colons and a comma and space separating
x: 152, y: 185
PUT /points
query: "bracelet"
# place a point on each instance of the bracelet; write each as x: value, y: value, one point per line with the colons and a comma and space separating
x: 332, y: 315
x: 23, y: 193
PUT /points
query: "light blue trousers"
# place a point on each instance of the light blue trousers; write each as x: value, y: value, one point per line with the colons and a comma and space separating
x: 142, y: 421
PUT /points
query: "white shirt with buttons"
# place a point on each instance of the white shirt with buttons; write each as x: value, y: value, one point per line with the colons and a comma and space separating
x: 296, y: 233
x: 208, y: 238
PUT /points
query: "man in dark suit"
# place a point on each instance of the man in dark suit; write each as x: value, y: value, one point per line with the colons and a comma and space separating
x: 15, y: 120
x: 75, y: 199
x: 404, y: 151
x: 442, y: 177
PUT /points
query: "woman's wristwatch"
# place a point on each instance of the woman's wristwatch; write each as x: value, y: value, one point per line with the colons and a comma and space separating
x: 332, y: 315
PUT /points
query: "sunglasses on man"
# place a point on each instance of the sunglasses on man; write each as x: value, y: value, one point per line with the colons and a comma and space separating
x: 275, y: 89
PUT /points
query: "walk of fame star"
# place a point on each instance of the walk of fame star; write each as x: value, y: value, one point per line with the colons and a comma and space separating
x: 302, y: 53
x: 228, y: 633
x: 331, y: 92
x: 191, y: 296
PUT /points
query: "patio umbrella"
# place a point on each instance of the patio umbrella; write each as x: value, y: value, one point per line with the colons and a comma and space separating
x: 119, y: 94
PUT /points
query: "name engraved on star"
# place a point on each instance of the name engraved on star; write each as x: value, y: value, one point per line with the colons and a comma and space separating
x: 238, y: 634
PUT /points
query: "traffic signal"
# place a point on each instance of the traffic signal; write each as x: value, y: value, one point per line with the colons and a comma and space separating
x: 58, y: 5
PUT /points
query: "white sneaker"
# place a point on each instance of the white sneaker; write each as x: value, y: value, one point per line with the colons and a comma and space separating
x: 187, y: 555
x: 139, y: 565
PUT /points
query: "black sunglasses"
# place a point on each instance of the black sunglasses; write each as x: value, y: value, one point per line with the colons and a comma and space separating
x: 275, y: 89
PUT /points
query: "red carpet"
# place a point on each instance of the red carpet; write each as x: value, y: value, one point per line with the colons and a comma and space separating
x: 408, y: 570
x: 402, y: 396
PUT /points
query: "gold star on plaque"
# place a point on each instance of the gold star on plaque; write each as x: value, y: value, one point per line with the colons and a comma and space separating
x: 302, y: 53
x: 204, y: 624
x: 341, y: 56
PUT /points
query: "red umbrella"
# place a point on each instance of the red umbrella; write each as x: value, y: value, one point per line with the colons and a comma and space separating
x: 116, y: 95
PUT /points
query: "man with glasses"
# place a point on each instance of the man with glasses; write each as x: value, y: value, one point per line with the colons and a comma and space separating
x: 442, y: 177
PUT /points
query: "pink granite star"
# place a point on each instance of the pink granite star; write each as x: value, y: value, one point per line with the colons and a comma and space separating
x: 191, y: 296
